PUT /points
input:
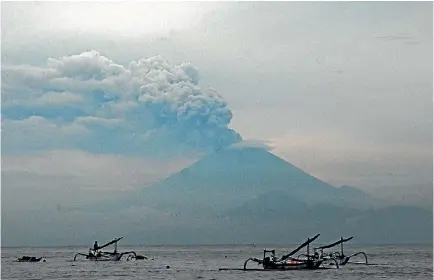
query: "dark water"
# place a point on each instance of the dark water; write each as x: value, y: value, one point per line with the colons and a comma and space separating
x: 203, y: 262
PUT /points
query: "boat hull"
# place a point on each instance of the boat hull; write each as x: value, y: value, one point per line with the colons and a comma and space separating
x: 29, y: 260
x: 114, y: 257
x: 293, y: 265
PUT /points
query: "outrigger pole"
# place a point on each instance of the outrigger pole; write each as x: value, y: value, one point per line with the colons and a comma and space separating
x: 341, y: 256
x: 116, y: 240
x: 309, y: 240
x: 337, y: 243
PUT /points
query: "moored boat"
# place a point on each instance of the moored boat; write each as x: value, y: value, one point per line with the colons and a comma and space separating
x: 97, y: 255
x: 287, y: 262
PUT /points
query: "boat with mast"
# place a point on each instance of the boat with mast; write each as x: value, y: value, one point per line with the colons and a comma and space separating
x: 338, y: 256
x: 287, y: 261
x: 97, y: 255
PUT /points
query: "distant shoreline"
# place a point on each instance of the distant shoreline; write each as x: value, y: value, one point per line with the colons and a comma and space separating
x: 215, y: 245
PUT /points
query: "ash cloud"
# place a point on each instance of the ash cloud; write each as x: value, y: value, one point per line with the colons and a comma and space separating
x: 147, y: 106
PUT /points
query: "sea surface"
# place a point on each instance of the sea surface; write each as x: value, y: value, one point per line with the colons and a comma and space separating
x: 203, y: 262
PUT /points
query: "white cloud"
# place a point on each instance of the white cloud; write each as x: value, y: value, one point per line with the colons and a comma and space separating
x: 98, y: 121
x: 113, y: 19
x: 58, y: 99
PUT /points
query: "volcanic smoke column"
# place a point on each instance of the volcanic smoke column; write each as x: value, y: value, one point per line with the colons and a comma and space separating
x: 148, y: 104
x: 195, y: 116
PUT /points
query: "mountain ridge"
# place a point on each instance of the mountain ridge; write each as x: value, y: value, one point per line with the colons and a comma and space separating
x: 247, y: 173
x: 241, y: 195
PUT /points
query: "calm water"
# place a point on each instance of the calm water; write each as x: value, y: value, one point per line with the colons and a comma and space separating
x: 202, y: 262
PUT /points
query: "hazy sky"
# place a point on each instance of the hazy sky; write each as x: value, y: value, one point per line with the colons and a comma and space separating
x: 115, y: 96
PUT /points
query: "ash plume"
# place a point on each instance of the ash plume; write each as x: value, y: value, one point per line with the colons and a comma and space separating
x: 143, y: 105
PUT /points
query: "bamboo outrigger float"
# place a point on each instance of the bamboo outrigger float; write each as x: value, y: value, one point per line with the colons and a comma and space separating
x: 96, y: 255
x: 339, y: 256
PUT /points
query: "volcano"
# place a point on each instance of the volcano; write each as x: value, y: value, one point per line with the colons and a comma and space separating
x: 233, y: 176
x: 241, y: 195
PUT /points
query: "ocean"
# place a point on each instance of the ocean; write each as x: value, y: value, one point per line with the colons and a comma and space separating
x: 203, y: 262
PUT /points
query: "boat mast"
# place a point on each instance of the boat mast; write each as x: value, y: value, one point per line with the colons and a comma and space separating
x: 342, y: 246
x: 309, y: 240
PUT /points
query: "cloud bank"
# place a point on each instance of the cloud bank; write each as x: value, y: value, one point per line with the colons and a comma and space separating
x: 90, y: 102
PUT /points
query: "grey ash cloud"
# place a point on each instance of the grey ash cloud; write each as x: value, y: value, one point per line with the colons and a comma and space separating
x: 147, y: 106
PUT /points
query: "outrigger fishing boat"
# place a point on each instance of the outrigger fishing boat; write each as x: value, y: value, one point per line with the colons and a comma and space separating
x: 97, y: 255
x: 338, y: 256
x: 286, y: 262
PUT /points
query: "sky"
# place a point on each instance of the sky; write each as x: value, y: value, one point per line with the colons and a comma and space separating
x: 102, y: 98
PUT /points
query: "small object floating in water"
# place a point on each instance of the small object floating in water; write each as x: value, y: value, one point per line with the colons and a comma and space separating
x: 29, y: 259
x: 167, y: 266
x: 137, y: 257
x: 97, y: 255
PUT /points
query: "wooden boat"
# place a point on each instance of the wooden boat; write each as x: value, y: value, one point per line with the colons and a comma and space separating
x: 29, y: 259
x: 97, y: 255
x: 287, y: 262
x: 318, y: 260
x: 340, y: 257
